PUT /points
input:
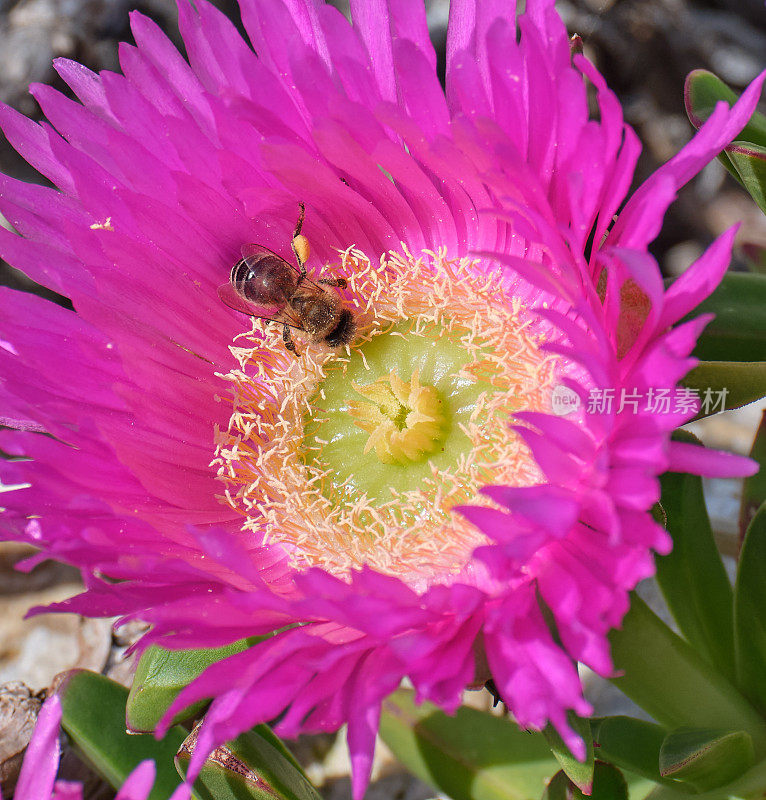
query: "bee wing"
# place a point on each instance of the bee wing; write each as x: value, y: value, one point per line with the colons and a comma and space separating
x: 271, y: 313
x: 253, y: 250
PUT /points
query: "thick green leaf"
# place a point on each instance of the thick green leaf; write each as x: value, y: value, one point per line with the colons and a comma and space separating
x: 749, y: 786
x: 737, y: 382
x: 754, y: 489
x: 749, y: 160
x: 468, y: 756
x: 706, y: 758
x: 750, y: 612
x: 745, y: 158
x: 673, y: 683
x: 608, y: 784
x: 94, y: 717
x: 559, y: 788
x: 162, y: 674
x: 738, y: 332
x: 692, y: 577
x: 703, y: 90
x: 630, y: 744
x: 639, y: 788
x: 255, y: 766
x: 579, y: 772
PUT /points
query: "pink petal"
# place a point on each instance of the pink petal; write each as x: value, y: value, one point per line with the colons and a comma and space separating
x: 41, y: 760
x: 696, y: 460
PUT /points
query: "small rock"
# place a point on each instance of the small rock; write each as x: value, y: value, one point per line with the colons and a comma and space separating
x: 47, y: 574
x: 35, y: 650
x: 681, y: 256
x: 19, y: 708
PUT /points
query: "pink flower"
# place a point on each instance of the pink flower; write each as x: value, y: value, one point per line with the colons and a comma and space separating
x: 37, y: 780
x: 504, y: 287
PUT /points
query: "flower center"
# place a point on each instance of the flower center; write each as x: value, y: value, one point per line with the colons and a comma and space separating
x: 356, y: 458
x: 403, y: 418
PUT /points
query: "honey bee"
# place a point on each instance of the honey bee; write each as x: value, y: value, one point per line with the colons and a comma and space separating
x: 262, y: 284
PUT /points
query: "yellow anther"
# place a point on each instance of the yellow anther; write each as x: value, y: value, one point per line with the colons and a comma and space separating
x: 404, y: 419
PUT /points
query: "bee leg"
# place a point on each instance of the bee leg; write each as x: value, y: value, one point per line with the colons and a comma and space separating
x: 299, y: 223
x: 287, y: 339
x: 341, y: 283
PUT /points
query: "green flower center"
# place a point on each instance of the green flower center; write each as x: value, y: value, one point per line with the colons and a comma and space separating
x: 399, y: 438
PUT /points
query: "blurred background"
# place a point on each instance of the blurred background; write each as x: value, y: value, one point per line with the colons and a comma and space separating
x: 644, y: 48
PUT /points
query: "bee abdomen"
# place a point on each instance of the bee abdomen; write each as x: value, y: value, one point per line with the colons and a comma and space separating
x: 264, y: 278
x: 344, y: 331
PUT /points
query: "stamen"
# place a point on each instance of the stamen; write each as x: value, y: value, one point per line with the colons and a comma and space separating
x: 443, y: 358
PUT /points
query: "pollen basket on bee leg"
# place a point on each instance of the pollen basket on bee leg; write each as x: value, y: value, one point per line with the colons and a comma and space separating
x: 302, y: 248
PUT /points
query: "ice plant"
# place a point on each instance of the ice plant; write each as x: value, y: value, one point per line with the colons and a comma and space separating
x: 407, y: 506
x: 37, y: 780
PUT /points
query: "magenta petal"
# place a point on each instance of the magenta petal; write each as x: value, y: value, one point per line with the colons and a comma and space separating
x: 420, y: 90
x: 518, y: 543
x: 362, y: 729
x: 710, y: 463
x: 84, y: 83
x: 699, y: 280
x: 41, y: 760
x: 139, y: 783
x: 718, y: 131
x: 67, y: 790
x: 380, y: 23
x: 182, y: 792
x: 34, y: 142
x: 553, y: 508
